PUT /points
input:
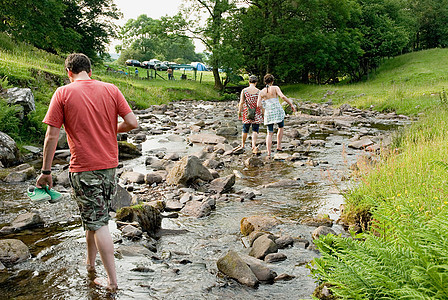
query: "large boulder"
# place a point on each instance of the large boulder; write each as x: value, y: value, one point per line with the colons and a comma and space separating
x: 233, y: 266
x: 127, y: 150
x: 257, y: 223
x: 222, y: 185
x: 9, y: 153
x: 27, y: 221
x: 23, y: 97
x: 197, y: 209
x: 147, y: 216
x: 262, y: 247
x: 133, y: 177
x: 13, y: 251
x: 259, y: 268
x: 62, y: 140
x: 322, y: 230
x: 20, y: 173
x: 188, y: 170
x: 122, y: 198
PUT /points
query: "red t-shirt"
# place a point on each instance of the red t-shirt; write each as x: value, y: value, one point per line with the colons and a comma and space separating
x: 89, y: 111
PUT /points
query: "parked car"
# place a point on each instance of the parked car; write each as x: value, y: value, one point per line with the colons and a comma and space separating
x: 132, y: 62
x: 160, y: 67
x: 145, y: 64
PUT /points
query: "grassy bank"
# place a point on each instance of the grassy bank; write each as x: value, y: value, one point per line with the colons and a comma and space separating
x: 404, y: 255
x: 24, y: 66
x: 408, y: 84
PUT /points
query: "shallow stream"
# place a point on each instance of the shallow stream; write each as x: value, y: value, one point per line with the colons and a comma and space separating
x: 184, y: 266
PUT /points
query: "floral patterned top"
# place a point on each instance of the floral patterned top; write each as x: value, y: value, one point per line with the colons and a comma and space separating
x: 251, y: 101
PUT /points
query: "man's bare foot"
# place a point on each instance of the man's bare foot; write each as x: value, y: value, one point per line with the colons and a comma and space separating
x: 102, y: 282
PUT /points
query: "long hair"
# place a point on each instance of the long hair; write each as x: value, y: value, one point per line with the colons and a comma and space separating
x: 268, y: 79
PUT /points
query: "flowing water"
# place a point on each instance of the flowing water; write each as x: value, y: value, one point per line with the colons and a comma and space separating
x: 184, y: 266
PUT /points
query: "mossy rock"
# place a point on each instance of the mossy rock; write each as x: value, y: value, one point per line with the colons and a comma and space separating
x: 127, y: 150
x: 323, y: 292
x: 146, y: 215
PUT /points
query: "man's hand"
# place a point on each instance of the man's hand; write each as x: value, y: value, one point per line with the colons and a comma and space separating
x: 44, y: 180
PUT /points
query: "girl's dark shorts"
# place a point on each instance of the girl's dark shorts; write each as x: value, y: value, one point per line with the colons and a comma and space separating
x: 255, y: 127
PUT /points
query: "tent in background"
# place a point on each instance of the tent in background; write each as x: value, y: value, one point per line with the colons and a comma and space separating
x: 199, y: 66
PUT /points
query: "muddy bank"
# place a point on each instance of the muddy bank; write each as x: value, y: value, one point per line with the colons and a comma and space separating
x: 321, y: 144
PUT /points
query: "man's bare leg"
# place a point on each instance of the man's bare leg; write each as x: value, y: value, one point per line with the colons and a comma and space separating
x: 105, y: 245
x: 91, y: 250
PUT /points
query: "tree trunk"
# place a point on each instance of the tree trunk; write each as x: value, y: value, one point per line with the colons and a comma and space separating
x: 218, y: 83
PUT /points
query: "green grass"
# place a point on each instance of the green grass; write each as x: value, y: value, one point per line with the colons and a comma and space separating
x: 404, y: 255
x: 22, y: 65
x: 407, y: 84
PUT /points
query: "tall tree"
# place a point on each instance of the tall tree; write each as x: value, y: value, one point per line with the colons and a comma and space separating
x: 212, y: 31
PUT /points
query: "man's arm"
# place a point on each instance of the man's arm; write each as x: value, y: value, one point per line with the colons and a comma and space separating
x: 50, y: 143
x: 129, y: 123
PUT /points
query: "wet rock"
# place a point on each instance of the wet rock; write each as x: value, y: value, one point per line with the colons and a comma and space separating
x: 27, y: 221
x: 122, y: 198
x: 13, y: 251
x: 259, y: 268
x: 62, y: 140
x: 284, y: 277
x: 284, y: 241
x: 222, y: 185
x: 262, y: 246
x: 254, y: 235
x: 62, y: 178
x: 133, y: 177
x: 254, y: 162
x: 213, y: 164
x: 153, y: 177
x: 173, y: 205
x: 142, y: 270
x: 227, y: 131
x: 314, y: 143
x: 140, y: 138
x: 319, y: 220
x: 20, y: 173
x: 274, y: 257
x: 257, y: 223
x: 131, y: 232
x: 9, y: 153
x: 187, y: 170
x: 322, y: 230
x: 233, y: 266
x: 285, y: 183
x: 23, y: 97
x: 134, y: 250
x: 221, y: 148
x: 282, y: 156
x: 2, y: 267
x: 172, y: 156
x: 147, y: 216
x: 207, y: 138
x: 361, y: 144
x: 197, y: 209
x: 127, y: 150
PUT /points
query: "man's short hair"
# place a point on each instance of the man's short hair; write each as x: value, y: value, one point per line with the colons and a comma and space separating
x: 78, y: 62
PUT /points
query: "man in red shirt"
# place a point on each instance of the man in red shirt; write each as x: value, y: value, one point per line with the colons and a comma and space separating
x: 89, y: 111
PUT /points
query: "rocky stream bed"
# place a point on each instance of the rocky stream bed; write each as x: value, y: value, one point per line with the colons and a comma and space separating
x: 209, y: 209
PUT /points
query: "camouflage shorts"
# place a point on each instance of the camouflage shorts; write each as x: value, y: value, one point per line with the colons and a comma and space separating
x: 93, y: 192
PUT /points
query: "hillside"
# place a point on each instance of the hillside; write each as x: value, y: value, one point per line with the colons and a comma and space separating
x: 24, y: 66
x: 407, y: 84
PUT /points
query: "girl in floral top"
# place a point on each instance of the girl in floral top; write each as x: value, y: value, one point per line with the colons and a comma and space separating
x: 273, y: 111
x: 248, y: 99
